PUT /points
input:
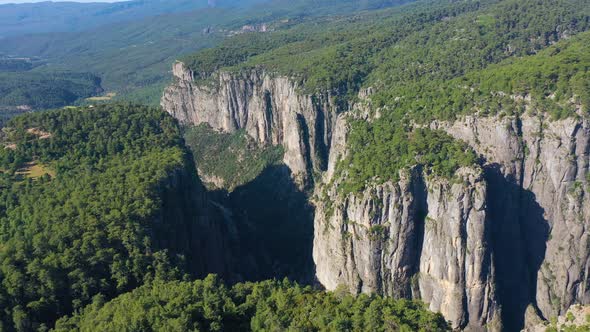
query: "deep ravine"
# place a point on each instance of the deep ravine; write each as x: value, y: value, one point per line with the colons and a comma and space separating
x: 491, y: 249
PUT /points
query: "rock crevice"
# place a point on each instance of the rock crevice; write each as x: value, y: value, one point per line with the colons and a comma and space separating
x: 487, y: 248
x: 270, y: 109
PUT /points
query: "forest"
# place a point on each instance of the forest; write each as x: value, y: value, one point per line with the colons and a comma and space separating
x: 10, y: 64
x: 88, y: 211
x: 82, y: 190
x: 209, y: 305
x: 38, y: 90
x: 421, y: 62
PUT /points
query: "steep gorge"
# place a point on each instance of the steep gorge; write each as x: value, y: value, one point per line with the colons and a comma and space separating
x: 270, y: 109
x: 271, y: 214
x: 482, y: 248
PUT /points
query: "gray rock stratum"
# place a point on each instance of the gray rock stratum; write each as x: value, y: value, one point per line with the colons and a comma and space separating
x: 498, y: 243
x: 539, y: 204
x: 268, y: 108
x: 422, y: 237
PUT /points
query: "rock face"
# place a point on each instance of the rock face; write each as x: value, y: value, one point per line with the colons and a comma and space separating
x: 270, y: 109
x: 541, y: 208
x: 505, y: 241
x: 272, y: 209
x: 576, y: 319
x: 422, y: 237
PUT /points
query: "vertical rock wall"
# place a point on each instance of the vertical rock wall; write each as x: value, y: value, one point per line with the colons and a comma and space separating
x: 508, y: 237
x: 270, y: 109
x: 542, y: 210
x: 422, y: 237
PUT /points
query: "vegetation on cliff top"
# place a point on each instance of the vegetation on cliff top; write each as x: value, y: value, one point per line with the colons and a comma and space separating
x: 208, y: 305
x: 94, y: 223
x: 234, y: 159
x: 408, y: 45
x: 378, y: 151
x: 432, y: 60
x: 554, y: 81
x: 328, y: 53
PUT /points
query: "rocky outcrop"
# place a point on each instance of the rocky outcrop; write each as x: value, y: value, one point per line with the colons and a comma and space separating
x: 269, y: 108
x: 369, y: 242
x: 542, y: 208
x: 495, y: 246
x: 576, y: 319
x: 456, y: 276
x: 423, y: 237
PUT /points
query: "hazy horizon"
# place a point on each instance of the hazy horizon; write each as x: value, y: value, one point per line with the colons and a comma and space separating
x: 6, y: 2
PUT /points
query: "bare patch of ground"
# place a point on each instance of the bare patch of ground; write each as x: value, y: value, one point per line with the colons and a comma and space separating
x: 106, y: 97
x: 34, y: 170
x: 39, y: 133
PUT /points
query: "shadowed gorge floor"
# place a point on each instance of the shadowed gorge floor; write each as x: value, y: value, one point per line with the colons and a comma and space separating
x: 275, y: 228
x: 270, y: 220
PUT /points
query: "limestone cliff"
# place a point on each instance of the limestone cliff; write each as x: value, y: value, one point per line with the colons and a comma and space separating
x: 534, y: 245
x: 423, y: 237
x: 499, y: 242
x: 540, y: 204
x: 270, y: 109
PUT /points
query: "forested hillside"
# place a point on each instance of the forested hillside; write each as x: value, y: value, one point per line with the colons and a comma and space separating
x: 208, y: 305
x: 133, y: 58
x: 8, y: 64
x: 93, y: 200
x: 43, y: 17
x: 38, y: 91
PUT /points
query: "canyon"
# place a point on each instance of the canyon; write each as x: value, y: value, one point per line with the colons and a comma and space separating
x: 499, y: 246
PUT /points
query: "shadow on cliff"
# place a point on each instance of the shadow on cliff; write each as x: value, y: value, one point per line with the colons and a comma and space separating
x: 519, y: 236
x: 273, y: 222
x: 421, y: 205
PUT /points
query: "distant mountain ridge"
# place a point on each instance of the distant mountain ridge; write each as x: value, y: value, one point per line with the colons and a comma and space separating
x: 42, y: 17
x: 133, y: 58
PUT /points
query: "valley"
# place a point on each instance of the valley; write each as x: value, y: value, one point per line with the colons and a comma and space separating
x: 461, y: 195
x: 349, y: 166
